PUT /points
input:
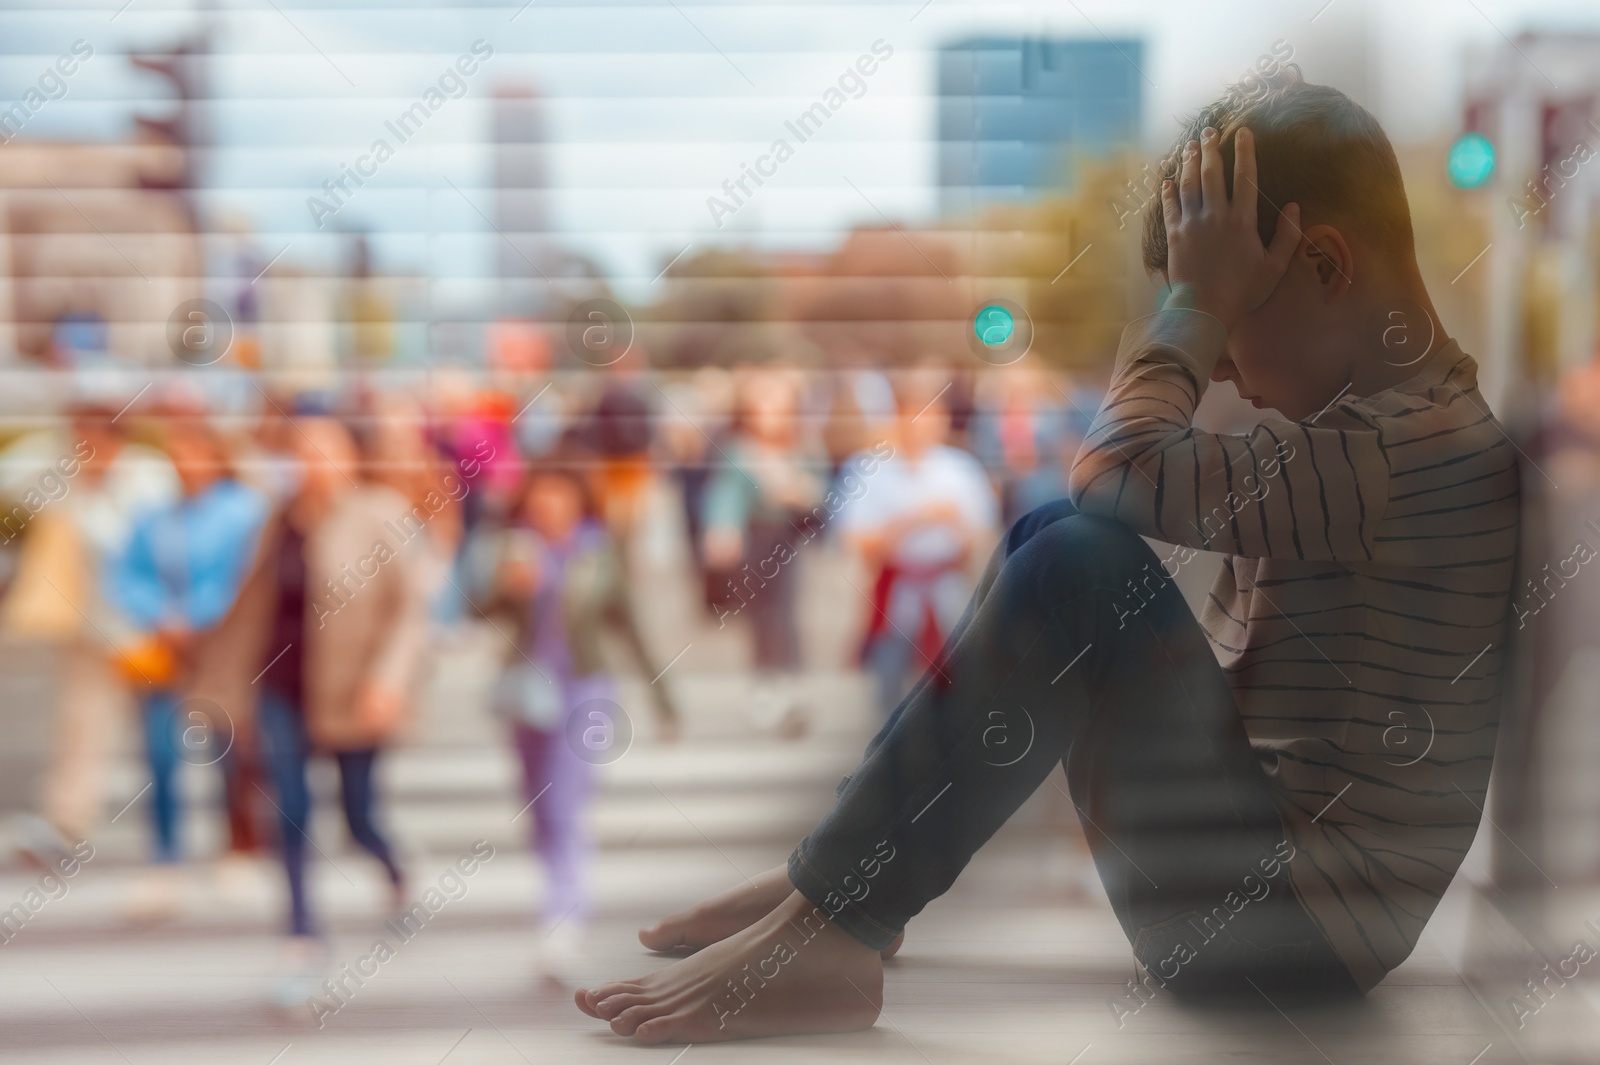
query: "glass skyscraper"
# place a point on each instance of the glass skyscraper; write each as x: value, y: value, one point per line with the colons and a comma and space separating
x: 1015, y: 111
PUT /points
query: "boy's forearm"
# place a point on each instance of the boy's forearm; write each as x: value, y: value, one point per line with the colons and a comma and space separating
x: 1185, y: 297
x: 1147, y: 466
x: 1162, y: 367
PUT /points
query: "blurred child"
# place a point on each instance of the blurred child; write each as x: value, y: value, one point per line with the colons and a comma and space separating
x: 556, y: 572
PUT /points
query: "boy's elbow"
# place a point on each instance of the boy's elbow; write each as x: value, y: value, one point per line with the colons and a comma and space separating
x: 1092, y: 503
x: 1093, y: 484
x: 1079, y: 479
x: 1076, y: 484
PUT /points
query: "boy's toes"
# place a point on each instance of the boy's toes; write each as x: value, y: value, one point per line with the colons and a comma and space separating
x: 608, y: 1008
x: 659, y: 1030
x: 616, y: 987
x: 664, y: 935
x: 628, y: 1021
x: 589, y: 998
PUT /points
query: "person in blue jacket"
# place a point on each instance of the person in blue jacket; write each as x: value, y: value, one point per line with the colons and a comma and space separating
x: 176, y: 580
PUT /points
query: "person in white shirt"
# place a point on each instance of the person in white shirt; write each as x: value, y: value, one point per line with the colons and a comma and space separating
x: 923, y: 514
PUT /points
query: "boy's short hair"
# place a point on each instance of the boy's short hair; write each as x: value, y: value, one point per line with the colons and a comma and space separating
x: 1314, y: 146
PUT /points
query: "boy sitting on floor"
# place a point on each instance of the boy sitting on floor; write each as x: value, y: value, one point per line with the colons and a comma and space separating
x: 1253, y: 812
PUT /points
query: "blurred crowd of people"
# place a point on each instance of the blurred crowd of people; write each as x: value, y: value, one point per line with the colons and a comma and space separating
x: 254, y: 587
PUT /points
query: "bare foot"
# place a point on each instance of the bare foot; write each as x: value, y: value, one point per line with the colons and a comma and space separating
x: 792, y: 972
x: 720, y: 917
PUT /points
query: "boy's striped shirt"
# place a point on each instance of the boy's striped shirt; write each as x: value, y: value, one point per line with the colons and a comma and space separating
x: 1360, y: 614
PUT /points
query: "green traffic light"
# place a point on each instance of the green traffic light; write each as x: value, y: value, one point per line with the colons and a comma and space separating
x: 1471, y: 161
x: 994, y: 325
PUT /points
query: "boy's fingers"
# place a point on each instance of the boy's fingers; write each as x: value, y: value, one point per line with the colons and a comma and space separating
x: 1213, y: 189
x: 1189, y: 178
x: 1244, y: 176
x: 1171, y: 210
x: 1286, y: 238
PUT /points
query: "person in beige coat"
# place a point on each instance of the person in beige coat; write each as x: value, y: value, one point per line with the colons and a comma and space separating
x: 321, y: 648
x: 86, y: 503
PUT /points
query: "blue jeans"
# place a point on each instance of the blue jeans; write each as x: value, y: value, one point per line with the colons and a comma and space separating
x: 888, y: 662
x: 162, y: 737
x: 173, y: 736
x: 286, y: 748
x: 1047, y: 666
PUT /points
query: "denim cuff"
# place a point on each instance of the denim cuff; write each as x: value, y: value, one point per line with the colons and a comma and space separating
x: 835, y: 906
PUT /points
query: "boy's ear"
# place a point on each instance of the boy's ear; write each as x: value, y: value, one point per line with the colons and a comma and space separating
x: 1324, y: 249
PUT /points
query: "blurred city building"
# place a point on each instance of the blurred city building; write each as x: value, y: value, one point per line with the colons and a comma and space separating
x: 1015, y: 111
x: 96, y: 257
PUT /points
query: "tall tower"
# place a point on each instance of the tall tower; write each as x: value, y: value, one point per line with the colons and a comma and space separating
x: 525, y: 258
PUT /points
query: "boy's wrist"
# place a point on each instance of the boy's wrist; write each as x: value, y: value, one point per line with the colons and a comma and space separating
x: 1182, y: 295
x: 1186, y: 336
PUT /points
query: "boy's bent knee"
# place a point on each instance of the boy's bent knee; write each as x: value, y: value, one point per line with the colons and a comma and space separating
x: 1026, y: 527
x: 1102, y: 542
x: 1069, y: 555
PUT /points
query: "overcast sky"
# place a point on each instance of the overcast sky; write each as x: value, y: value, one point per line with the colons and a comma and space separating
x: 652, y: 105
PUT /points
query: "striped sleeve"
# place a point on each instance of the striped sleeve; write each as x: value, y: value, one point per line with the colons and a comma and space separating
x: 1286, y: 490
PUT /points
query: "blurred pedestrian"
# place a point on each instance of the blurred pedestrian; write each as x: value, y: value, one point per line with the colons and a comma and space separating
x: 56, y: 597
x: 268, y: 462
x: 697, y: 414
x: 1026, y: 434
x: 621, y: 434
x: 177, y: 579
x: 330, y: 625
x: 846, y: 428
x: 484, y: 450
x: 555, y: 572
x: 922, y: 517
x: 397, y: 453
x: 770, y: 476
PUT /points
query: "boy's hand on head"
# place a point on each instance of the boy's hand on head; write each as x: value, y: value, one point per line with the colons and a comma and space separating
x: 1212, y: 242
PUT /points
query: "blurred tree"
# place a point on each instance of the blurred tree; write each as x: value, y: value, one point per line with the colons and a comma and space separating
x: 718, y: 308
x: 1077, y: 258
x: 889, y: 295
